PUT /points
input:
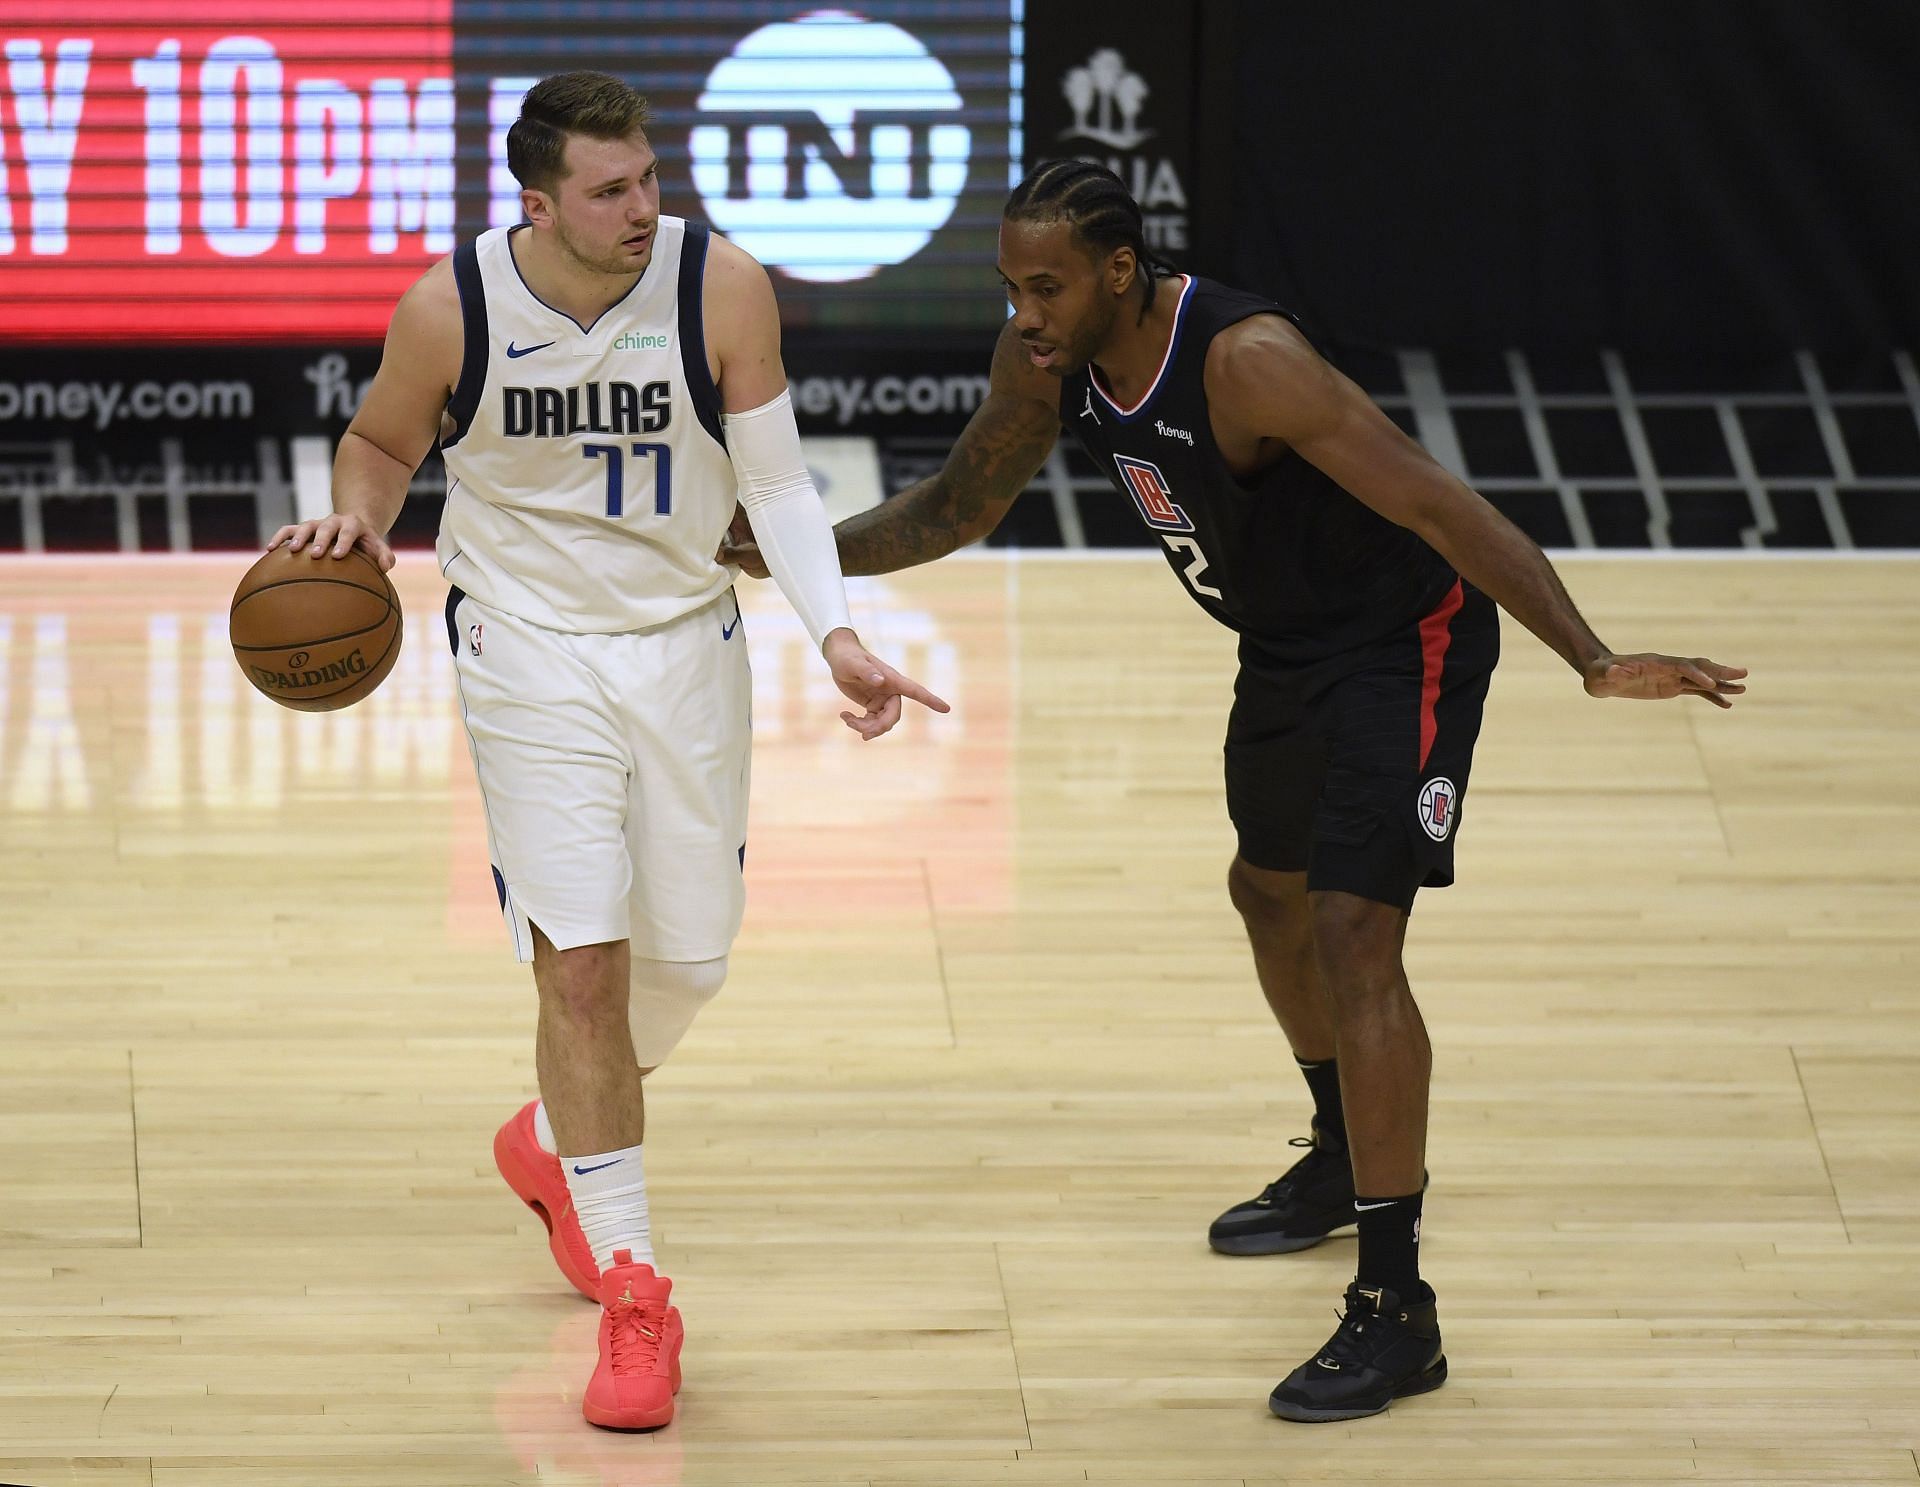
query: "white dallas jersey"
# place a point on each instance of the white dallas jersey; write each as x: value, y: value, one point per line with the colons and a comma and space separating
x: 588, y: 484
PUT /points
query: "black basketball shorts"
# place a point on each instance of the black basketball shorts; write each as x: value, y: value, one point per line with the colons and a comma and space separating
x: 1353, y: 769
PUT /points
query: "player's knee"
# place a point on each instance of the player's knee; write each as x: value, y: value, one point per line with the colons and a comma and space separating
x: 1358, y: 945
x: 664, y: 999
x: 1268, y: 900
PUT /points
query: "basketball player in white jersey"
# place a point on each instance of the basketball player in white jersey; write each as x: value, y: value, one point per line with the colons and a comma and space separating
x: 603, y: 382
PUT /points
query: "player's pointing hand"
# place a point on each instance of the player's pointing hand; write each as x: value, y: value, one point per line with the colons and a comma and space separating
x: 1651, y: 678
x: 873, y: 684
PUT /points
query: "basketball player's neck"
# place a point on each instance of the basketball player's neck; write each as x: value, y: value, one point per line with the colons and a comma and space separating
x: 1135, y: 348
x: 562, y: 281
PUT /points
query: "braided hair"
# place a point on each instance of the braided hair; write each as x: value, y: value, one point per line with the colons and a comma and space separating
x: 1096, y: 204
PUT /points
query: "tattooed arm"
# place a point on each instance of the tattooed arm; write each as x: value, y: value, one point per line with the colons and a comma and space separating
x: 1003, y: 445
x: 999, y: 451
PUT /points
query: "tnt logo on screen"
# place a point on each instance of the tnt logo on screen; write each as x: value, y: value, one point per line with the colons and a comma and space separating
x: 830, y: 146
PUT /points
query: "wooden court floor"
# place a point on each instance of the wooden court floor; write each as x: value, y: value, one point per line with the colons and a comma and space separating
x: 933, y: 1175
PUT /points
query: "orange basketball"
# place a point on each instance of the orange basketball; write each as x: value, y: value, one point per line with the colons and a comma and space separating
x: 315, y: 633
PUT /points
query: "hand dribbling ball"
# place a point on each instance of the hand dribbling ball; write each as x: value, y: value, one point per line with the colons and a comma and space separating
x: 315, y: 634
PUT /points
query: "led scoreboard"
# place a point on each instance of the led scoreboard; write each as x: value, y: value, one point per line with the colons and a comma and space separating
x: 280, y: 170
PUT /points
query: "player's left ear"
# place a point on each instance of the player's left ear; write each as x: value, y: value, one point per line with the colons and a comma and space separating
x: 1122, y: 269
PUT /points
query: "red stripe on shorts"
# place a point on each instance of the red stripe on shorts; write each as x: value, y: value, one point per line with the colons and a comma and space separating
x: 1435, y: 637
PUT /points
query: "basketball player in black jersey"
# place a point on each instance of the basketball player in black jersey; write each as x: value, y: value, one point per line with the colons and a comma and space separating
x: 1362, y: 579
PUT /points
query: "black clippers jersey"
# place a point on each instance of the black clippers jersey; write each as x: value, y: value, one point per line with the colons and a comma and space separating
x: 1286, y: 557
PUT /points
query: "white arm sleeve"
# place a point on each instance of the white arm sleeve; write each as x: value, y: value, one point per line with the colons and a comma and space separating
x: 789, y: 522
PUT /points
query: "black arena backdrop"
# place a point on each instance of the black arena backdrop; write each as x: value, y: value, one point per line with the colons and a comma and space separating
x: 1684, y: 179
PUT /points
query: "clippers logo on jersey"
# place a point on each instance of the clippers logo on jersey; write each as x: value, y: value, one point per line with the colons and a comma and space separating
x: 830, y: 146
x: 1438, y: 801
x: 615, y: 408
x: 1148, y: 488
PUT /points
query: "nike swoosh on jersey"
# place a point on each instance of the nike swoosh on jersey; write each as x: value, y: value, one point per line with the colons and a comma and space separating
x: 513, y: 350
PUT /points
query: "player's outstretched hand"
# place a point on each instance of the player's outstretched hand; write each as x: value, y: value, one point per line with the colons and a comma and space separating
x: 873, y: 684
x: 738, y: 549
x: 335, y: 534
x: 1654, y: 678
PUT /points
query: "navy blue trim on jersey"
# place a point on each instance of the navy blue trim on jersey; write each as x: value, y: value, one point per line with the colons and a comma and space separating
x: 1166, y: 365
x: 552, y: 310
x: 473, y: 360
x: 454, y: 596
x: 583, y: 329
x: 693, y: 335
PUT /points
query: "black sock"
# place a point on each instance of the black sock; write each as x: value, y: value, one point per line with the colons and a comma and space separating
x: 1323, y: 1079
x: 1390, y: 1243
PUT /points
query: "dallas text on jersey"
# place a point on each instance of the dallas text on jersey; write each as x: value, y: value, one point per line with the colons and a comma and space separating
x: 554, y: 412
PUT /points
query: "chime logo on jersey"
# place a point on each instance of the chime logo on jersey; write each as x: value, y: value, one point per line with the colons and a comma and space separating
x: 1148, y: 487
x: 1438, y: 807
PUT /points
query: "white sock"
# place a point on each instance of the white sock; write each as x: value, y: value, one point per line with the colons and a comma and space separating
x: 543, y: 1130
x: 610, y: 1197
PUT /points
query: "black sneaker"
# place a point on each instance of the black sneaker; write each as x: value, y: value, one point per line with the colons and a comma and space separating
x: 1298, y: 1209
x: 1383, y: 1350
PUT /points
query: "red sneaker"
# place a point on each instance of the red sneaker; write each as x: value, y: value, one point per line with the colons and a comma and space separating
x: 536, y: 1179
x: 633, y: 1386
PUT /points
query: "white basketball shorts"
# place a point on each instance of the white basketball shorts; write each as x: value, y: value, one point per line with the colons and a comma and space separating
x: 613, y: 769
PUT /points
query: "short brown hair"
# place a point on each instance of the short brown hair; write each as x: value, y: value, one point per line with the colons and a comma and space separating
x: 589, y: 103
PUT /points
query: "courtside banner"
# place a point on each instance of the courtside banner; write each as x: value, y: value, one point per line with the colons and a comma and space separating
x: 146, y: 392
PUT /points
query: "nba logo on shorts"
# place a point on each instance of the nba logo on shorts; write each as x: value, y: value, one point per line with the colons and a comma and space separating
x: 474, y: 634
x: 1437, y: 800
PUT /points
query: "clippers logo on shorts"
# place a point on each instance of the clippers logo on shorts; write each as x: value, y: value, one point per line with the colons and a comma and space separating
x: 1148, y: 487
x: 1438, y: 802
x: 824, y: 149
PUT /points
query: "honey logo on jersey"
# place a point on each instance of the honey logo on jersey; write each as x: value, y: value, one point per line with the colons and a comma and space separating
x: 830, y: 146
